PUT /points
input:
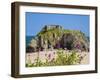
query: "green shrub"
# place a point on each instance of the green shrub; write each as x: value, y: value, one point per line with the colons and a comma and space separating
x: 73, y: 58
x: 61, y: 58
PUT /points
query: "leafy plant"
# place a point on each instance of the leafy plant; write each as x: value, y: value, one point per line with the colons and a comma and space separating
x: 73, y: 58
x: 63, y: 58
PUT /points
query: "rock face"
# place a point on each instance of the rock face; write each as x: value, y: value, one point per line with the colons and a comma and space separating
x: 55, y: 37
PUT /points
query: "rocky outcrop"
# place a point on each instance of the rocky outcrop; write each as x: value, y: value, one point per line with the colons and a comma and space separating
x: 55, y: 37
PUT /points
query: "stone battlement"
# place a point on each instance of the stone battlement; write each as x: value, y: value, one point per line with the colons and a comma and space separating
x: 47, y: 27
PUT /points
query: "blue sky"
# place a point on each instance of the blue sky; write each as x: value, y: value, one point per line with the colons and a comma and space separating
x: 36, y: 21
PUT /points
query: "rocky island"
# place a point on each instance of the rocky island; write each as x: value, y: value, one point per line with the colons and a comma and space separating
x: 54, y: 45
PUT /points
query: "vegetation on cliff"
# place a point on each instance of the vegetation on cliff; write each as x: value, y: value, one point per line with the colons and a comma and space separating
x: 56, y: 37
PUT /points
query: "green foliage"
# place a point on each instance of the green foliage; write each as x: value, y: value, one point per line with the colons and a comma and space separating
x: 63, y: 58
x: 73, y: 58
